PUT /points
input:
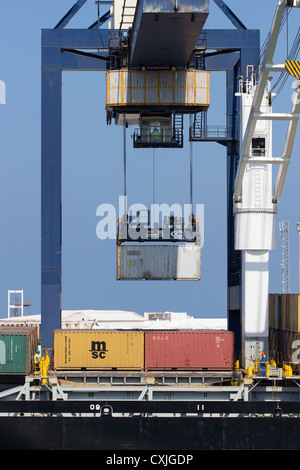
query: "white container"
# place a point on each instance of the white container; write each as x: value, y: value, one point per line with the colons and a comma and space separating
x: 159, y: 262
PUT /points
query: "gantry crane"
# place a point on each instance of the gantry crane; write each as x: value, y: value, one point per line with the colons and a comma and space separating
x: 117, y: 51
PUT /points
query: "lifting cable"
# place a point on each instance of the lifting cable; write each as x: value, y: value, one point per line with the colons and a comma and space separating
x: 153, y: 185
x: 124, y: 165
x: 153, y: 175
x: 191, y: 168
x: 264, y: 45
x: 153, y: 170
x: 292, y: 55
x: 191, y: 171
x: 294, y: 52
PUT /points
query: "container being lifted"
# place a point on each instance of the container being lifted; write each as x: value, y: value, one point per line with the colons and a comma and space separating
x: 172, y: 252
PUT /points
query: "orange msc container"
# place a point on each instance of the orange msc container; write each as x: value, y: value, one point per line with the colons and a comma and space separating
x: 98, y: 350
x: 189, y: 350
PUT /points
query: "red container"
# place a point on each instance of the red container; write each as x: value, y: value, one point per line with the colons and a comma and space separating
x: 189, y: 350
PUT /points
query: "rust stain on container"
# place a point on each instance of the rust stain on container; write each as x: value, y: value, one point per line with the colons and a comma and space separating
x: 194, y: 350
x: 98, y: 350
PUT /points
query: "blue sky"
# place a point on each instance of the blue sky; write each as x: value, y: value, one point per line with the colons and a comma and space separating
x: 93, y: 174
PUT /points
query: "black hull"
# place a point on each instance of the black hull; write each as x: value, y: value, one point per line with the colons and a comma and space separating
x: 149, y: 433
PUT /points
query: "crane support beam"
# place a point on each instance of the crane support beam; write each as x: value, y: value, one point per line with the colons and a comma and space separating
x: 68, y: 16
x: 229, y: 13
x: 277, y: 116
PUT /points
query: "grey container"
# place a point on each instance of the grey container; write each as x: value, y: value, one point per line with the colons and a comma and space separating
x: 159, y: 262
x: 18, y: 345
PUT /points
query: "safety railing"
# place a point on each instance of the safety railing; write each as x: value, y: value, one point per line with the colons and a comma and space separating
x: 164, y: 138
x: 213, y: 133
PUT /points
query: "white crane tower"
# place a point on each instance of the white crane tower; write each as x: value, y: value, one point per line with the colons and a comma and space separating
x: 255, y: 204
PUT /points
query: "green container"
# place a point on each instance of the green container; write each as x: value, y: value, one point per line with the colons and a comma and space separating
x: 18, y: 345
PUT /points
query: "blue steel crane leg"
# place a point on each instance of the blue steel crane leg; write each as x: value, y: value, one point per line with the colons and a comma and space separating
x: 248, y: 56
x: 51, y: 194
x: 54, y: 61
x: 233, y: 256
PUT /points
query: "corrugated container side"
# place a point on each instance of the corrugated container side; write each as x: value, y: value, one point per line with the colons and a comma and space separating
x: 178, y: 262
x: 98, y: 349
x: 284, y: 346
x: 180, y: 87
x: 189, y: 350
x: 284, y: 312
x: 298, y: 313
x: 17, y: 349
x: 273, y: 311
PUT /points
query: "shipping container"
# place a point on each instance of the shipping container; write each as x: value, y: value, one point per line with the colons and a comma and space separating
x: 189, y: 350
x: 185, y: 88
x: 284, y: 329
x: 159, y: 262
x: 98, y: 350
x: 284, y: 312
x: 284, y: 347
x: 18, y: 345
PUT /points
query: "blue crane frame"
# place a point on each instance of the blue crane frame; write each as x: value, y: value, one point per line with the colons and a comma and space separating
x: 65, y: 50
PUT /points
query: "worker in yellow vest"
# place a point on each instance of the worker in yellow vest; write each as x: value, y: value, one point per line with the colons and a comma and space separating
x: 37, y: 362
x: 155, y: 135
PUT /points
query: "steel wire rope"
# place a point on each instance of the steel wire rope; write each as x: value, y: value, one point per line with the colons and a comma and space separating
x: 283, y: 77
x: 153, y: 175
x: 294, y: 52
x: 292, y: 55
x: 191, y: 169
x: 263, y: 48
x: 124, y: 166
x: 153, y: 215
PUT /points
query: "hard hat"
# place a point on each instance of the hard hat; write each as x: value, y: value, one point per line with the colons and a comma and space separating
x: 37, y: 351
x: 263, y: 354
